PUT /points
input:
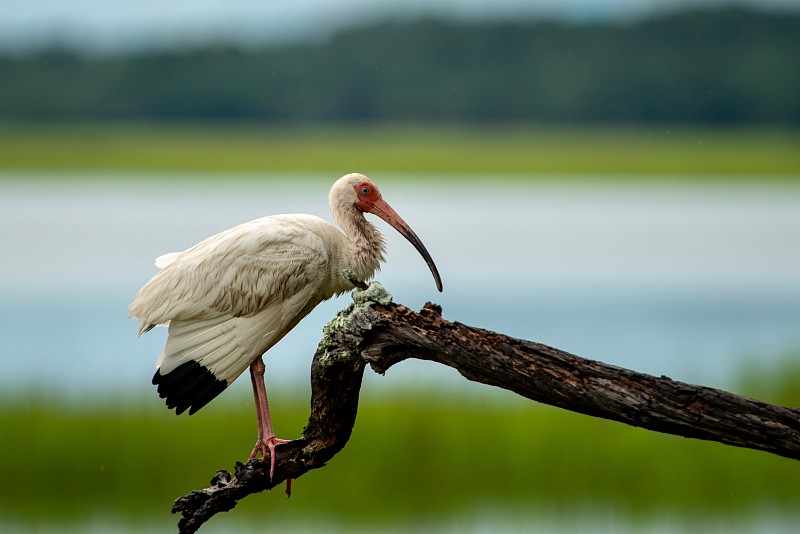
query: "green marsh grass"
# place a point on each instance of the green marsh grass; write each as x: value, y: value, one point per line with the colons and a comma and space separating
x: 634, y: 151
x: 414, y: 457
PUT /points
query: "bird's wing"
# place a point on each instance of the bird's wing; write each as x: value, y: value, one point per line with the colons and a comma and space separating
x: 230, y: 298
x: 237, y: 273
x: 203, y: 356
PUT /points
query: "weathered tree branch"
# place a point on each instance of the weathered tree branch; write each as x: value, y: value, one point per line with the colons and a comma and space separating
x: 380, y: 333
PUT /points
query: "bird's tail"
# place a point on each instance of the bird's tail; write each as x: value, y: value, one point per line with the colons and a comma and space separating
x: 190, y: 385
x: 200, y: 359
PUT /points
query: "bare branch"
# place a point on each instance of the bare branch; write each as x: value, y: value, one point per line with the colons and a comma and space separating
x: 380, y: 333
x: 558, y: 378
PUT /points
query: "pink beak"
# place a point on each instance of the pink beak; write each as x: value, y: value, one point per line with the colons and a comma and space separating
x: 383, y: 210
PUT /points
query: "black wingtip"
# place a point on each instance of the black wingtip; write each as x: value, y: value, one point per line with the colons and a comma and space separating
x: 189, y: 386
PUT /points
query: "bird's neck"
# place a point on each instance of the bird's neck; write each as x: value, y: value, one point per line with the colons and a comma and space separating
x: 365, y: 245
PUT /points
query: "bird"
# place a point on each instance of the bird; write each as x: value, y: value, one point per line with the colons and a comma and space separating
x: 231, y: 297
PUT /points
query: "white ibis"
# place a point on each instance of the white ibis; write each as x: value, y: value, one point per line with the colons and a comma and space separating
x: 231, y: 297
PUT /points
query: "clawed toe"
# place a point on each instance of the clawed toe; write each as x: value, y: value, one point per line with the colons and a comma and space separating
x: 267, y: 449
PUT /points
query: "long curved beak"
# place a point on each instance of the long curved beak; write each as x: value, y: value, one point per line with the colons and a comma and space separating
x: 385, y: 212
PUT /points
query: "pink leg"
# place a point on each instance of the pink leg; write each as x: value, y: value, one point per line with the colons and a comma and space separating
x: 266, y: 436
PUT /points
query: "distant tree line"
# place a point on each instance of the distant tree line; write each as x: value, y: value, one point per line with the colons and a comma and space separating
x: 717, y: 66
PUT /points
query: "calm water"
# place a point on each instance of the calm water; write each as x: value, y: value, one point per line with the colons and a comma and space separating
x: 688, y: 281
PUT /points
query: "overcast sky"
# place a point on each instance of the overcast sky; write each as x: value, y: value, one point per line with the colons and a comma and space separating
x: 112, y: 25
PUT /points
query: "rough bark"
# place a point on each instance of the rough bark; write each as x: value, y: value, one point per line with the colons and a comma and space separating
x: 383, y: 334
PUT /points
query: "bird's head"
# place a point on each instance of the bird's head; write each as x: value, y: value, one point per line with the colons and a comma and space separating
x: 356, y: 191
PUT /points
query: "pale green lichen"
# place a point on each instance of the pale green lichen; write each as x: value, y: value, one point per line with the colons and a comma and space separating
x: 351, y: 277
x: 340, y: 321
x: 327, y: 359
x: 374, y: 294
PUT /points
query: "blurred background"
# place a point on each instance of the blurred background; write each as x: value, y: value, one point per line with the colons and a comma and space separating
x: 619, y: 179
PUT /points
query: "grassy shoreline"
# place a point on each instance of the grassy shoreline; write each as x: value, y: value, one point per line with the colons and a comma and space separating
x: 412, y: 459
x: 496, y: 149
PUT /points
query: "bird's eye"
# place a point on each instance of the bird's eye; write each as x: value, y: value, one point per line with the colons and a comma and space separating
x: 365, y: 190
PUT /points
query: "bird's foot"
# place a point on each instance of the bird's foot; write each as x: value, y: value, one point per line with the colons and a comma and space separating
x: 266, y: 446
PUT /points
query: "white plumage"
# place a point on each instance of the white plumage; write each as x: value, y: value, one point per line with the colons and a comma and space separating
x: 232, y: 296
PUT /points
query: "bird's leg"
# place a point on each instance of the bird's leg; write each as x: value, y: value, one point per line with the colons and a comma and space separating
x: 266, y: 435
